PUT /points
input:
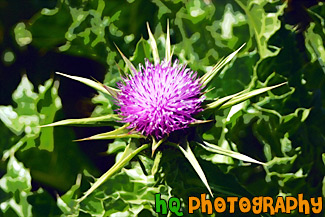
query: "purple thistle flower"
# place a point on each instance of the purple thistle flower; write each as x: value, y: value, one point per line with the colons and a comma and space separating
x: 160, y: 99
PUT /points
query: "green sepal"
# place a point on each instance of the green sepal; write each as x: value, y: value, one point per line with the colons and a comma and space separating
x: 121, y: 132
x: 96, y: 85
x: 153, y: 46
x: 207, y: 77
x: 94, y: 121
x: 222, y: 151
x: 128, y: 63
x: 195, y: 164
x: 234, y: 99
x: 130, y: 151
x: 168, y: 53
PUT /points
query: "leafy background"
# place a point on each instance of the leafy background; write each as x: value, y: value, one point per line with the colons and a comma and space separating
x: 43, y: 171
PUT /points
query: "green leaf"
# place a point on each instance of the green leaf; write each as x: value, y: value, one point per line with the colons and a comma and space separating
x: 142, y: 51
x: 219, y: 150
x: 66, y: 203
x: 315, y: 44
x: 25, y: 114
x: 262, y: 24
x: 104, y: 105
x: 235, y: 99
x: 49, y: 102
x: 17, y: 181
x: 43, y: 204
x: 91, y: 83
x: 195, y: 164
x: 102, y: 120
x: 130, y: 151
x: 22, y: 35
x: 153, y: 45
x: 131, y: 192
x: 32, y: 110
x: 10, y: 118
x: 121, y: 132
x: 116, y: 146
x: 207, y: 77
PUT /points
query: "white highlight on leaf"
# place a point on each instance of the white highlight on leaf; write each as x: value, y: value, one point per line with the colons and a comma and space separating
x: 230, y: 18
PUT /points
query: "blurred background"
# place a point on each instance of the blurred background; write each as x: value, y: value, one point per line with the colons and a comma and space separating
x: 284, y: 42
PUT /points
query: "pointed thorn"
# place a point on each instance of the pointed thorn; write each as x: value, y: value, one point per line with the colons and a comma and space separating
x: 207, y: 91
x: 120, y: 70
x: 80, y: 140
x: 133, y: 70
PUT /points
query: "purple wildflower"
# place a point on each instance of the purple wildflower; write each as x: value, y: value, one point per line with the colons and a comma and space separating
x: 160, y: 99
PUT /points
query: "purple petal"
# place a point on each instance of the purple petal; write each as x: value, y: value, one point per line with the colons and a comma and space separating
x: 160, y: 99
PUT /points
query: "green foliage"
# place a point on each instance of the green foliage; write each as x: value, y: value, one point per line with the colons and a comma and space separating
x: 17, y: 182
x: 23, y: 36
x: 32, y: 111
x: 132, y: 193
x: 282, y: 128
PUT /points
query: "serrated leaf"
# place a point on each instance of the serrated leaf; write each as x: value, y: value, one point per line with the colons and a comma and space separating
x: 207, y: 77
x: 219, y: 150
x: 96, y: 85
x: 32, y: 110
x: 130, y: 151
x: 102, y: 120
x: 286, y: 164
x: 127, y: 193
x: 153, y: 46
x: 195, y: 164
x: 315, y: 45
x: 262, y: 25
x: 50, y: 103
x: 63, y: 206
x: 11, y: 119
x: 121, y: 132
x: 17, y: 181
x: 66, y: 202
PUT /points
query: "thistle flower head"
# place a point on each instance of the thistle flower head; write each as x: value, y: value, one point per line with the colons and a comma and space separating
x: 160, y: 98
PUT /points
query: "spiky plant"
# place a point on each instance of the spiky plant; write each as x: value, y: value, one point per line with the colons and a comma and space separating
x: 159, y: 99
